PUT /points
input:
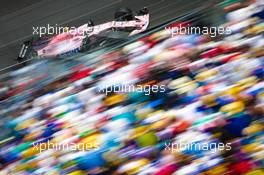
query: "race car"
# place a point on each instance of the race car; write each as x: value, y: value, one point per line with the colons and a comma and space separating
x: 87, y: 36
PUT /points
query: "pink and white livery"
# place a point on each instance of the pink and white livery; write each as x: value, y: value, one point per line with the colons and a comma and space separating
x: 87, y: 36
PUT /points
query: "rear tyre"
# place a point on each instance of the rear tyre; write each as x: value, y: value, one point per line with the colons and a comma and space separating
x: 143, y: 11
x: 90, y: 23
x: 124, y: 14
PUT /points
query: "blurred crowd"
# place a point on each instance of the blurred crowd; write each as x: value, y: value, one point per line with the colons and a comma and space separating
x: 214, y: 95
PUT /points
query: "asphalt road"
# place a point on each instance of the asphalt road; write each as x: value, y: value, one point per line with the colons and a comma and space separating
x: 17, y: 18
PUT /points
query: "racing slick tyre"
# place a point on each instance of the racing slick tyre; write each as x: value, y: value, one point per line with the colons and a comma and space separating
x: 85, y: 45
x: 143, y: 11
x: 90, y: 23
x: 124, y: 14
x: 26, y: 52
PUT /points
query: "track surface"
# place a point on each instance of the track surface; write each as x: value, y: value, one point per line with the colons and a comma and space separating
x: 17, y: 18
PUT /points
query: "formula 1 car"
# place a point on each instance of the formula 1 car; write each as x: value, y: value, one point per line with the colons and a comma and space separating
x: 87, y: 36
